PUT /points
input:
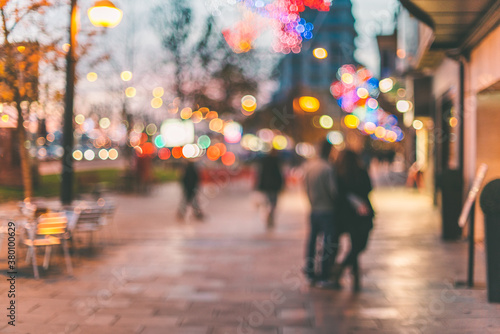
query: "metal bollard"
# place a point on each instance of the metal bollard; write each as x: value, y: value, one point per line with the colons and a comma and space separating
x: 490, y: 204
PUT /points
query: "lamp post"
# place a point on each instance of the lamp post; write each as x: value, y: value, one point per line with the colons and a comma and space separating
x: 104, y: 14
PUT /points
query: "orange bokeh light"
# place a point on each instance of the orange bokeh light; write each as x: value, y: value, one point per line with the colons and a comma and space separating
x: 212, y: 115
x: 213, y: 153
x: 216, y: 125
x: 222, y: 148
x: 177, y: 152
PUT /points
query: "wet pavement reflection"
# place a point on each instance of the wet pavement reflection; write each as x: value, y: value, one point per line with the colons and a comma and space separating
x: 229, y: 274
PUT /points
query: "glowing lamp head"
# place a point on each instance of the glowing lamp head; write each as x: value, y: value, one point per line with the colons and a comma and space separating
x: 105, y: 14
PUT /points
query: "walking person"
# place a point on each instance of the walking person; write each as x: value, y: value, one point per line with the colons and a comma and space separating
x: 190, y: 181
x: 321, y: 188
x: 355, y: 211
x: 270, y: 182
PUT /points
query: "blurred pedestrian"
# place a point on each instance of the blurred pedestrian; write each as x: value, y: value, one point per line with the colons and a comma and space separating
x: 144, y: 172
x: 321, y: 188
x: 190, y: 181
x: 270, y: 182
x: 355, y: 210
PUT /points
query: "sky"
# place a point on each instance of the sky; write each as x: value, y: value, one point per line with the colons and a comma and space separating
x: 373, y: 17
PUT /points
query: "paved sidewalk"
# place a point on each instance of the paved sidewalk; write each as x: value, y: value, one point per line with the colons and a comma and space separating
x: 229, y: 275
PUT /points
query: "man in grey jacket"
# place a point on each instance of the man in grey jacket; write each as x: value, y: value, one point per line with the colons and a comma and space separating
x: 321, y: 188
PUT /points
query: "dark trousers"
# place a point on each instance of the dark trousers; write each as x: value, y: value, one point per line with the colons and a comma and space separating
x: 359, y: 240
x: 190, y: 199
x: 272, y: 201
x: 322, y: 223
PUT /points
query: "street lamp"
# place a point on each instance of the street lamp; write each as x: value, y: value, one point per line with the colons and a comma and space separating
x: 104, y: 14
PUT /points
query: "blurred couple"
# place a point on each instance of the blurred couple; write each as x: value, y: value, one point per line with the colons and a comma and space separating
x: 337, y: 189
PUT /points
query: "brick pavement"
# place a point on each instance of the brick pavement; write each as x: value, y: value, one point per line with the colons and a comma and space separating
x: 229, y: 275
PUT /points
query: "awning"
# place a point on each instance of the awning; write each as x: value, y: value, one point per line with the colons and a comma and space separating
x: 457, y: 24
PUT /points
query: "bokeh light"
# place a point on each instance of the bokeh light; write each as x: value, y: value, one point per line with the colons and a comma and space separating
x: 403, y: 106
x: 158, y: 92
x: 159, y: 142
x: 326, y: 122
x: 320, y: 53
x: 370, y: 128
x: 213, y: 153
x: 305, y: 150
x: 196, y: 117
x: 380, y: 132
x: 249, y: 103
x: 351, y: 121
x: 103, y: 154
x: 189, y: 151
x: 177, y: 152
x: 356, y: 92
x: 104, y: 123
x: 130, y: 91
x: 156, y: 102
x: 89, y: 155
x: 228, y: 158
x: 186, y: 113
x: 126, y: 75
x: 418, y: 125
x: 216, y: 125
x: 164, y: 153
x: 151, y: 129
x: 222, y: 148
x: 232, y: 132
x: 79, y: 119
x: 77, y: 155
x: 91, y: 76
x: 266, y: 135
x: 280, y: 142
x: 386, y: 85
x: 309, y: 103
x: 335, y: 137
x: 113, y: 154
x: 204, y: 141
x: 453, y: 122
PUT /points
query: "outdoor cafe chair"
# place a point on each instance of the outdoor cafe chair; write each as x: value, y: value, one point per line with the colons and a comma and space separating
x: 50, y: 229
x: 107, y: 222
x: 88, y: 220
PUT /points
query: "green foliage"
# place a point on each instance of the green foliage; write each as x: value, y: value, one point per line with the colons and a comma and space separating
x: 85, y: 181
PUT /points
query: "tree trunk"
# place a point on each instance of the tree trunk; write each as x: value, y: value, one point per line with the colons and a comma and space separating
x: 10, y: 71
x: 23, y: 154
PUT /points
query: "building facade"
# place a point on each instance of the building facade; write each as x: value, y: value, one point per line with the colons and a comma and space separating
x: 457, y: 47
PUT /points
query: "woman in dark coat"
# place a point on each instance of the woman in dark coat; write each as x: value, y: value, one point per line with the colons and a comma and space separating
x: 190, y: 181
x: 355, y: 210
x: 270, y: 182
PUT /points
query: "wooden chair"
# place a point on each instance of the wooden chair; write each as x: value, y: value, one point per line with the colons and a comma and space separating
x: 50, y: 229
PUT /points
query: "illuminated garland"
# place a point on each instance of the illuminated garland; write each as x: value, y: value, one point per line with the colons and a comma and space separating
x: 356, y: 92
x: 288, y: 27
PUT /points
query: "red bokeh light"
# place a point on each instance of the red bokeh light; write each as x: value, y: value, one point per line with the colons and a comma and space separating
x: 164, y: 153
x: 228, y: 159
